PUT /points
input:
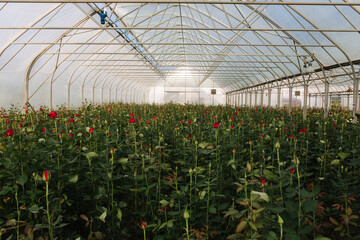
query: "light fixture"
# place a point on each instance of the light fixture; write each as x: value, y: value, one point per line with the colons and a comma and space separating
x: 103, y: 15
x: 308, y: 68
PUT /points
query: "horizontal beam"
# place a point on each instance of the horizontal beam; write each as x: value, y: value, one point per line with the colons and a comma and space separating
x: 183, y: 65
x: 184, y: 29
x: 182, y: 54
x: 178, y: 44
x: 192, y: 2
x: 170, y: 60
x: 297, y: 75
x: 149, y: 71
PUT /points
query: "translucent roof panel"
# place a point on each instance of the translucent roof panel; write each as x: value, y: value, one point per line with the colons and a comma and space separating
x: 52, y: 49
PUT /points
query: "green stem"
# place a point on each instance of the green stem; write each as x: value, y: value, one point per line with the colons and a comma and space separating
x: 208, y: 204
x: 187, y: 229
x: 144, y: 230
x: 18, y: 213
x: 278, y: 158
x: 48, y: 210
x: 176, y: 188
x: 299, y: 195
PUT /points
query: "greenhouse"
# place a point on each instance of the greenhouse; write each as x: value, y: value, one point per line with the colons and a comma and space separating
x: 168, y: 119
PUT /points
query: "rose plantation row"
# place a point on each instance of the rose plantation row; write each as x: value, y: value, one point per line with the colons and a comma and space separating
x: 126, y: 171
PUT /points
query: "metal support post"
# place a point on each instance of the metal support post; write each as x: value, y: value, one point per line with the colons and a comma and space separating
x: 355, y: 96
x: 262, y: 98
x: 269, y: 97
x: 256, y: 96
x: 278, y: 97
x: 250, y: 99
x: 326, y: 99
x: 290, y: 99
x: 306, y: 89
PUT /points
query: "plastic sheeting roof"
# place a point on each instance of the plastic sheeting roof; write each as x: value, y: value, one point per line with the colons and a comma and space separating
x: 59, y: 52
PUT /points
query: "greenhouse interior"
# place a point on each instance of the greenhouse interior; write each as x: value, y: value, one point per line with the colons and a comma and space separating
x: 168, y: 119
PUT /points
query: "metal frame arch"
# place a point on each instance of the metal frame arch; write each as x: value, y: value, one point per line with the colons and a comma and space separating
x: 42, y: 53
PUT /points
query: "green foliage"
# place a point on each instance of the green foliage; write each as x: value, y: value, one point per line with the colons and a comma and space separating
x: 108, y: 175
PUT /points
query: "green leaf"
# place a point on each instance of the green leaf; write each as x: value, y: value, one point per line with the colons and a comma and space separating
x: 235, y: 236
x: 170, y: 224
x: 119, y: 214
x: 276, y: 209
x: 309, y: 205
x: 241, y: 226
x: 335, y: 162
x: 292, y: 236
x: 322, y: 238
x: 202, y: 195
x: 312, y: 194
x: 270, y: 175
x: 263, y: 195
x: 21, y: 179
x: 163, y: 225
x: 271, y: 236
x: 34, y: 208
x: 103, y: 216
x: 343, y: 155
x: 123, y: 160
x: 5, y: 190
x: 74, y: 179
x: 164, y: 203
x: 212, y: 209
x: 253, y: 226
x: 91, y: 155
x: 231, y: 212
x: 203, y: 145
x: 306, y: 229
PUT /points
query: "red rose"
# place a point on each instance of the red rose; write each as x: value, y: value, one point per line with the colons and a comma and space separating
x: 262, y: 182
x: 9, y: 132
x: 91, y: 130
x: 52, y: 115
x: 46, y: 176
x: 132, y: 120
x: 216, y: 125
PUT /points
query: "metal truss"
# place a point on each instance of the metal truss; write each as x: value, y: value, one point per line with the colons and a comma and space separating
x: 242, y: 46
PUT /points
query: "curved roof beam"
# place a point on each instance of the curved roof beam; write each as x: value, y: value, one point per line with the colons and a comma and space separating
x: 58, y: 7
x: 42, y: 53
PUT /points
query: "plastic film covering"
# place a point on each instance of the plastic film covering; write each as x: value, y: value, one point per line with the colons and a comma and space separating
x: 61, y: 53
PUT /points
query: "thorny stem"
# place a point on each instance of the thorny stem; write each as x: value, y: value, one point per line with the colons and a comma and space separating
x: 278, y: 158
